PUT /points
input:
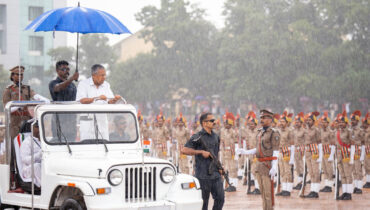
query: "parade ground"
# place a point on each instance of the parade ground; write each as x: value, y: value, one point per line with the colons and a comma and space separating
x: 239, y: 200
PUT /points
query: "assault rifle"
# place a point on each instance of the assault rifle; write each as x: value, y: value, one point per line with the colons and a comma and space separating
x: 215, y: 164
x: 301, y: 192
x: 337, y: 187
x: 248, y: 168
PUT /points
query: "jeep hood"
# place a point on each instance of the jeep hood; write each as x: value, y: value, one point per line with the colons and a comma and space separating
x: 95, y: 165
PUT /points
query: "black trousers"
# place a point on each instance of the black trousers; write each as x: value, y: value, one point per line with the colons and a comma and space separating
x: 214, y: 187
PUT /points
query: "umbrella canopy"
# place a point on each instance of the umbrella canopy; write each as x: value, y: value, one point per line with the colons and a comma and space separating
x: 77, y: 19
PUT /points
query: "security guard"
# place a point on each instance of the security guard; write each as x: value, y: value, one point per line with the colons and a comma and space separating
x: 298, y: 134
x: 313, y: 153
x: 267, y: 152
x: 12, y: 93
x: 160, y: 137
x: 286, y: 157
x: 345, y: 155
x: 365, y: 126
x: 181, y: 134
x: 328, y: 141
x: 359, y: 142
x: 210, y: 181
x: 228, y: 141
x: 251, y: 142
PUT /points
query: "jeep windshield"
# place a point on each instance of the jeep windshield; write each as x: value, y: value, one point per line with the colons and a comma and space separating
x: 89, y: 127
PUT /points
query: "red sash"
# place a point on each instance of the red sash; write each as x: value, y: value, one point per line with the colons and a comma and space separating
x: 340, y: 140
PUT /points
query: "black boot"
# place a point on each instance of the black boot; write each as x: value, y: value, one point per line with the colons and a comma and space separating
x: 256, y: 192
x: 308, y: 182
x: 312, y: 195
x: 357, y: 191
x: 230, y: 188
x: 298, y: 186
x: 326, y: 189
x: 279, y: 194
x: 342, y: 196
x: 347, y: 197
x: 367, y: 185
x: 240, y: 177
x: 285, y: 193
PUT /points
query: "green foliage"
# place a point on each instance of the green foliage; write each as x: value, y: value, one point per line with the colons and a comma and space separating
x: 271, y: 52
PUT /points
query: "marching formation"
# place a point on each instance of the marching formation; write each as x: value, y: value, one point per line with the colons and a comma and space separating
x: 313, y: 150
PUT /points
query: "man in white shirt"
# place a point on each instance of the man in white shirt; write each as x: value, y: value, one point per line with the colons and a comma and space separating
x: 95, y: 90
x: 26, y: 155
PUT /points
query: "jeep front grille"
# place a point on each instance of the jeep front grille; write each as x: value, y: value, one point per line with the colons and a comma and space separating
x: 140, y: 183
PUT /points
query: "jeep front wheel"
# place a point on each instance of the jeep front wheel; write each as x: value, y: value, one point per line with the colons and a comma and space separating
x: 71, y: 204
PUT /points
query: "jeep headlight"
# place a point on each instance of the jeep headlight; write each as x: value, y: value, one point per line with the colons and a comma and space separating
x: 167, y: 175
x: 115, y: 177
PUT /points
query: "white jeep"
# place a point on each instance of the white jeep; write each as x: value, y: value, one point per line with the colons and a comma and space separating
x: 92, y: 158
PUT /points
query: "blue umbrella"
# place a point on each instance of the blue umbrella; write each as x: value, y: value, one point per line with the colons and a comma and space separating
x: 77, y: 20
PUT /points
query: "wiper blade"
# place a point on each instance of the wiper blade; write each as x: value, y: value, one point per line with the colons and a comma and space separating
x: 97, y: 132
x: 60, y: 134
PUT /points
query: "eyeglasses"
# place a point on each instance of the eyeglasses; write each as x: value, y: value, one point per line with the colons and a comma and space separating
x: 64, y: 69
x: 211, y: 120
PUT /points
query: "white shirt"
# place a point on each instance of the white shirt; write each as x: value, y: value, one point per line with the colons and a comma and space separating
x: 87, y: 89
x: 25, y: 153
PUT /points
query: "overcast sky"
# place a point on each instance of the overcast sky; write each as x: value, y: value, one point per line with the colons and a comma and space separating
x: 124, y: 10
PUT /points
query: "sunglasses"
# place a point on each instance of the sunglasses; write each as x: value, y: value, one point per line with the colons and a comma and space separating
x: 64, y: 69
x: 212, y: 120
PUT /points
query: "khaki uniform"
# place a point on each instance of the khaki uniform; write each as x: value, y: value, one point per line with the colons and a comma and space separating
x: 160, y: 137
x: 358, y: 136
x: 241, y: 132
x: 251, y: 142
x: 267, y: 141
x: 299, y: 150
x: 228, y: 140
x: 327, y: 140
x: 182, y: 136
x: 2, y: 139
x: 367, y: 151
x: 11, y: 93
x: 286, y: 140
x: 343, y: 155
x: 312, y: 140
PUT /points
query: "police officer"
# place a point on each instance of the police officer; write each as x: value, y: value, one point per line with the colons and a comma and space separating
x: 267, y: 152
x: 209, y: 183
x: 298, y: 134
x: 251, y: 137
x: 359, y: 142
x: 12, y: 93
x: 160, y: 137
x: 181, y: 134
x: 345, y: 155
x: 365, y: 126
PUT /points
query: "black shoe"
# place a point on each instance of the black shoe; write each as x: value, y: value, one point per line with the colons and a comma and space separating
x: 309, y: 182
x: 312, y: 195
x: 249, y: 193
x: 256, y: 192
x: 230, y: 189
x: 347, y: 197
x: 240, y: 177
x: 357, y: 191
x: 298, y: 186
x: 279, y: 194
x: 245, y: 182
x: 285, y: 193
x: 342, y: 196
x: 367, y: 185
x: 326, y: 189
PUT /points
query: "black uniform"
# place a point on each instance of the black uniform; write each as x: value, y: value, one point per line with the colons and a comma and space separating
x: 209, y: 183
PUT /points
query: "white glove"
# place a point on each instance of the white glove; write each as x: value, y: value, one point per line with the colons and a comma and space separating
x: 236, y: 156
x: 246, y: 152
x: 332, y: 151
x: 292, y: 150
x: 362, y: 157
x: 2, y: 148
x: 41, y: 98
x: 352, y: 154
x: 320, y: 154
x: 274, y: 165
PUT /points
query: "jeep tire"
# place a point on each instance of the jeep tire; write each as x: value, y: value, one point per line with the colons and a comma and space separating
x: 71, y: 204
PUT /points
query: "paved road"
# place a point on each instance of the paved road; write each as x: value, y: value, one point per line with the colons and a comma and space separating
x: 239, y: 200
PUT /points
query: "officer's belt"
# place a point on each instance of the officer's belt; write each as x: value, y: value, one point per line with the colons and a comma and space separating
x: 266, y: 159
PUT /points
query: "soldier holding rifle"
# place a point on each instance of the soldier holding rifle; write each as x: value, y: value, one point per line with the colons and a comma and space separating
x: 205, y: 145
